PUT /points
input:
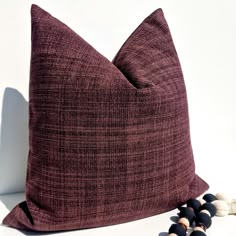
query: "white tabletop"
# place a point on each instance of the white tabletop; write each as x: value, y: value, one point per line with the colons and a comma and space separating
x: 151, y: 226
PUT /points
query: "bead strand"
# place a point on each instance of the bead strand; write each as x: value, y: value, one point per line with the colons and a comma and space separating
x: 186, y: 218
x: 199, y: 211
x: 203, y: 218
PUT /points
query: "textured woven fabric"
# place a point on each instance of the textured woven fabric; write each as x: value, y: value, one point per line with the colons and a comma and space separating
x: 109, y: 141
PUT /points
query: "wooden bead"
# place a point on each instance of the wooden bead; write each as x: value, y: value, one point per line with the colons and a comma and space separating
x: 206, y: 211
x: 198, y: 228
x: 183, y: 226
x: 184, y: 221
x: 172, y: 234
x: 202, y: 201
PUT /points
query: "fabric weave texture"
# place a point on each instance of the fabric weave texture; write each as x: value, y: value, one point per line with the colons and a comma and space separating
x: 109, y: 141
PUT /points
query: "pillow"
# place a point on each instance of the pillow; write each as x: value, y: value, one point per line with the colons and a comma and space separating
x: 109, y: 142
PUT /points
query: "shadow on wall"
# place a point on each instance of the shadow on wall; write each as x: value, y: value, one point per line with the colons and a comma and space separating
x: 14, y: 142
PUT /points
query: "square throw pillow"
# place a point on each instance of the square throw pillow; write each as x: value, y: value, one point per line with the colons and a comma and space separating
x: 109, y: 141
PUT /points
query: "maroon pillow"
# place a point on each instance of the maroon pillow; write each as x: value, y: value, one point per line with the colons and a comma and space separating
x: 109, y: 142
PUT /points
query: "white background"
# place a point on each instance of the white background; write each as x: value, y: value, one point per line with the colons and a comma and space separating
x: 204, y: 34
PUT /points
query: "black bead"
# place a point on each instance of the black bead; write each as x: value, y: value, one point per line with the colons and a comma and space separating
x: 187, y: 213
x: 194, y: 203
x: 210, y: 207
x: 209, y: 197
x: 203, y: 219
x: 177, y: 229
x: 197, y: 233
x: 180, y: 207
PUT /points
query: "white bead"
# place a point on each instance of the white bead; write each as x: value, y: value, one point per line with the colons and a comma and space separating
x: 222, y: 208
x: 172, y: 234
x: 232, y: 208
x: 224, y: 197
x: 230, y: 202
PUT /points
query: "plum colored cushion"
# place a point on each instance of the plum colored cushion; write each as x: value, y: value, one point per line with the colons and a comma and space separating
x: 109, y: 141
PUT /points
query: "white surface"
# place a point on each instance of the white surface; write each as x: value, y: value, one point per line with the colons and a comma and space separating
x: 152, y: 226
x: 204, y: 33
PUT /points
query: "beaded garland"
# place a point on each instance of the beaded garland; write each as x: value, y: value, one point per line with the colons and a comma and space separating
x: 198, y: 214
